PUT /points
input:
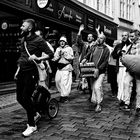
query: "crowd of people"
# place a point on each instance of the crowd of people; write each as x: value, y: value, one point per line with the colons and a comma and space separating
x: 107, y: 59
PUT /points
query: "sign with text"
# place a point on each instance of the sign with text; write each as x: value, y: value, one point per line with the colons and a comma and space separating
x: 42, y: 3
x: 67, y: 14
x: 8, y: 24
x: 49, y: 9
x: 106, y: 28
x: 90, y: 23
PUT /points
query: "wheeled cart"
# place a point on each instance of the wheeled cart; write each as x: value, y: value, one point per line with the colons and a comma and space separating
x: 43, y: 102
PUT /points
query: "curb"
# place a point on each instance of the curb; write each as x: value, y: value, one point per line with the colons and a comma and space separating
x: 54, y: 94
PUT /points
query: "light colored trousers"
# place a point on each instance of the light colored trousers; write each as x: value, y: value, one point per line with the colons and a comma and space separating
x: 63, y: 79
x: 120, y: 80
x: 138, y: 92
x: 97, y: 89
x: 128, y: 79
x: 128, y: 89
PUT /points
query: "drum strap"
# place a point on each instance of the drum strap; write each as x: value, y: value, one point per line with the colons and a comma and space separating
x: 99, y: 56
x: 129, y: 49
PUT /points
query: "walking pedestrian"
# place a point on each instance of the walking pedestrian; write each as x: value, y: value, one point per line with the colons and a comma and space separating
x: 84, y: 47
x: 112, y: 71
x: 27, y: 74
x: 130, y: 76
x: 53, y: 64
x: 47, y: 62
x: 99, y: 54
x: 63, y: 78
x: 123, y: 47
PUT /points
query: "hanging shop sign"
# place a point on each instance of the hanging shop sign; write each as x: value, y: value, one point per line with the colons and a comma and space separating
x: 109, y: 29
x: 49, y: 8
x: 42, y: 3
x: 9, y: 25
x: 68, y: 14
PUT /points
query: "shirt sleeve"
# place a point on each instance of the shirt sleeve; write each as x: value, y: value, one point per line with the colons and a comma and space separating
x: 69, y: 54
x: 57, y: 54
x: 45, y: 48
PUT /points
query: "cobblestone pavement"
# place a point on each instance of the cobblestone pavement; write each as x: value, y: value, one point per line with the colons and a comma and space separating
x: 76, y: 120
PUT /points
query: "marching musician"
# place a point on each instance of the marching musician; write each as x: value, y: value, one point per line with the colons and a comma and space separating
x: 99, y: 54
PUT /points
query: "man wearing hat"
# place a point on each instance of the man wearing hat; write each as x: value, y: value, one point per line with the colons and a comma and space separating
x: 63, y: 78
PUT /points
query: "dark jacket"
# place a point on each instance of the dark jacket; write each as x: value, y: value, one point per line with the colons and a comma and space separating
x: 99, y: 54
x: 117, y: 52
x: 35, y: 45
x: 83, y: 46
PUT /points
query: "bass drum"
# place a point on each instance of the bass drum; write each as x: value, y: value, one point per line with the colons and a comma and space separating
x: 132, y: 63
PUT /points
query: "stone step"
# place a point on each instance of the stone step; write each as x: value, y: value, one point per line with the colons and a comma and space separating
x: 10, y: 87
x: 7, y: 87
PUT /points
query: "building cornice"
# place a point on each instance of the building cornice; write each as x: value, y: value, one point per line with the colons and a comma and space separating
x: 93, y: 11
x: 124, y: 28
x: 126, y: 21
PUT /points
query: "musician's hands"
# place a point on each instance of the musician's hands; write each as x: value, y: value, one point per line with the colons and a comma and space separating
x: 33, y: 57
x: 121, y: 57
x: 83, y: 61
x: 96, y: 73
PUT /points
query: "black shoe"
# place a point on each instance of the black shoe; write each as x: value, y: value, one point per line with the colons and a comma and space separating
x: 121, y: 103
x: 126, y: 107
x: 64, y: 99
x: 61, y: 99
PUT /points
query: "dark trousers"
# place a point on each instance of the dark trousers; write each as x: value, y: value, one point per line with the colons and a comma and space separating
x: 133, y: 94
x: 112, y: 78
x: 25, y: 86
x: 89, y: 87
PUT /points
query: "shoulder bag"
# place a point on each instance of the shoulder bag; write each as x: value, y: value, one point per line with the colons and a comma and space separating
x: 40, y: 66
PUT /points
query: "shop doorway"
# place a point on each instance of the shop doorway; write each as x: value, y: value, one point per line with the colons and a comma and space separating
x: 9, y: 51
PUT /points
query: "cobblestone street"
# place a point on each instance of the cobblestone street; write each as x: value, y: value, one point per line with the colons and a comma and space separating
x: 76, y: 120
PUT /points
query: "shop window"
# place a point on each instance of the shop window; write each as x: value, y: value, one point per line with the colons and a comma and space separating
x: 9, y: 41
x: 9, y: 34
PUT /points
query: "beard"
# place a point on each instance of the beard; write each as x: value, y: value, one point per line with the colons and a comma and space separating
x: 24, y: 33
